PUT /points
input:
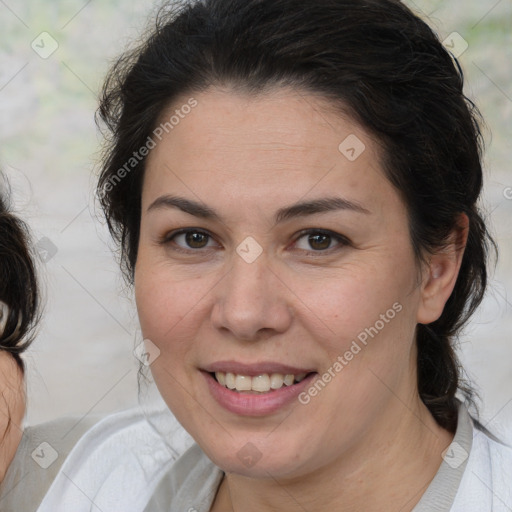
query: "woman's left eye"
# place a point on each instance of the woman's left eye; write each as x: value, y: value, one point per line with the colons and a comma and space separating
x: 318, y: 241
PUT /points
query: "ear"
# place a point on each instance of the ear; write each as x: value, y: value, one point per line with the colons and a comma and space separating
x: 441, y: 273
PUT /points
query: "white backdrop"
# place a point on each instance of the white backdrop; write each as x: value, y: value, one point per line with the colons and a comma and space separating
x: 53, y: 55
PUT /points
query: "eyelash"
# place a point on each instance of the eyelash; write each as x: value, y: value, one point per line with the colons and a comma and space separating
x: 342, y: 240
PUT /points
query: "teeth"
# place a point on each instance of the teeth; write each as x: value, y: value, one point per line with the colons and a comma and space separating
x: 288, y: 380
x: 243, y: 383
x: 262, y: 383
x: 230, y: 381
x: 276, y: 381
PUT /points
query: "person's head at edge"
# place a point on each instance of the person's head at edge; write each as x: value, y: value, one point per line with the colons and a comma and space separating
x: 19, y: 306
x: 247, y: 107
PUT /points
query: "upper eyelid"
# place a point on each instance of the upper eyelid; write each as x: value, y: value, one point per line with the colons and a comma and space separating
x: 182, y: 231
x: 308, y: 231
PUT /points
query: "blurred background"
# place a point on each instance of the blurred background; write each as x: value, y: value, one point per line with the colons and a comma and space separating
x: 53, y: 56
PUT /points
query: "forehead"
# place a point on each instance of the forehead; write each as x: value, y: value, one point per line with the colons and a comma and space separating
x: 281, y: 144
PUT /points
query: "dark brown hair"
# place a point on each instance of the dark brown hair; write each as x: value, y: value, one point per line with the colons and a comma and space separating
x: 19, y: 289
x: 375, y: 60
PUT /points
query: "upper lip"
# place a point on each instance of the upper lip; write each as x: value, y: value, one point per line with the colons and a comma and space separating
x: 252, y: 370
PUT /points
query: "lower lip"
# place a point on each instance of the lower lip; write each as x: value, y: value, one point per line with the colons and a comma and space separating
x: 262, y: 404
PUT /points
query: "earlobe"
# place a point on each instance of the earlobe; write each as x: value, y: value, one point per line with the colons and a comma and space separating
x: 441, y: 273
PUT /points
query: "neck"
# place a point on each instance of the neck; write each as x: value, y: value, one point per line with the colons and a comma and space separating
x: 389, y: 469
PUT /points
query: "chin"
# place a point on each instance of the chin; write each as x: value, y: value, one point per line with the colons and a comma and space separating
x: 255, y: 456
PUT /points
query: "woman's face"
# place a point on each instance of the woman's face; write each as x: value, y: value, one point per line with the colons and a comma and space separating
x: 271, y: 245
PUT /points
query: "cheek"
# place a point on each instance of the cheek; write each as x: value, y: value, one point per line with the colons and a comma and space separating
x: 353, y: 298
x: 168, y: 304
x: 364, y: 320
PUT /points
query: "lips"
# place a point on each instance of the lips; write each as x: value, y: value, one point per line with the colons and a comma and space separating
x: 257, y: 389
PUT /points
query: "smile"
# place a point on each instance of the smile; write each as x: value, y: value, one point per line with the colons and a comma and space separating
x: 256, y: 390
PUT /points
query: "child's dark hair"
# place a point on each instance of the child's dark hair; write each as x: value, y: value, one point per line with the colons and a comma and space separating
x: 376, y: 61
x: 19, y: 291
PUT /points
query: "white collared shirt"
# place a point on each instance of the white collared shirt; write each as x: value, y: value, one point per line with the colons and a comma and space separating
x: 124, y: 465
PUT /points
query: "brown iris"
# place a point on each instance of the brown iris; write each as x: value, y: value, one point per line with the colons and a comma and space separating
x: 196, y: 240
x: 319, y: 241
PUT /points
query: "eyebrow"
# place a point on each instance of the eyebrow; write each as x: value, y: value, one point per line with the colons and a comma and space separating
x: 301, y: 209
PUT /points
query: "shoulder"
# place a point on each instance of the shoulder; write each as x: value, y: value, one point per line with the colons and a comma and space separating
x: 40, y: 455
x: 498, y: 459
x: 119, y: 462
x: 487, y: 480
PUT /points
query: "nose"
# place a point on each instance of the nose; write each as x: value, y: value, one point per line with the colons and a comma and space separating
x: 251, y: 301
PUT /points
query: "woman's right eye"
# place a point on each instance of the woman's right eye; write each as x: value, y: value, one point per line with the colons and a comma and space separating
x: 189, y: 240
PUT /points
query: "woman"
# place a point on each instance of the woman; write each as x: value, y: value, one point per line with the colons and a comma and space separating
x: 29, y: 458
x: 294, y: 186
x: 19, y: 303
